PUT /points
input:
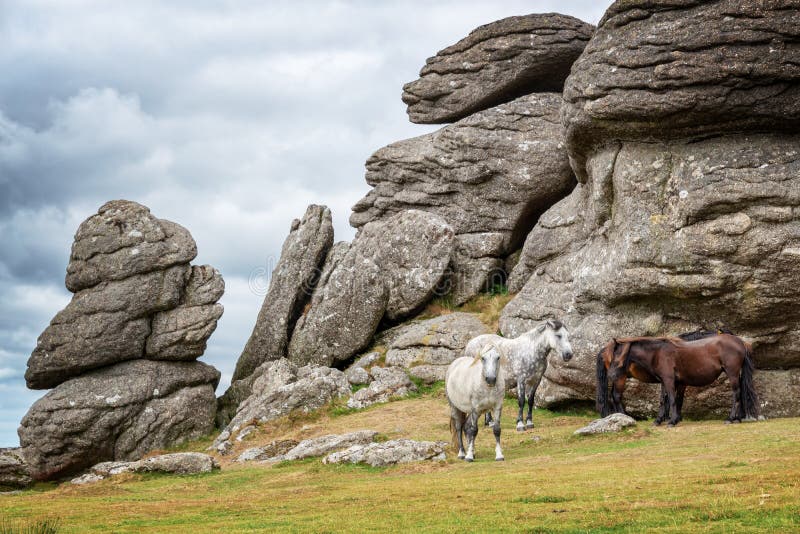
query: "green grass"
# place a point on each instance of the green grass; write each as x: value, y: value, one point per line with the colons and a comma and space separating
x: 702, y: 476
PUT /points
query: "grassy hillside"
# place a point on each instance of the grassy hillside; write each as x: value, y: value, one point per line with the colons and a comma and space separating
x: 698, y: 477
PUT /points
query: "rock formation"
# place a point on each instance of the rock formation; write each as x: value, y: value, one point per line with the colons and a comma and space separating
x: 396, y: 451
x: 121, y: 354
x: 14, y: 472
x: 496, y: 63
x: 179, y: 463
x: 687, y: 213
x: 489, y: 176
x: 290, y: 288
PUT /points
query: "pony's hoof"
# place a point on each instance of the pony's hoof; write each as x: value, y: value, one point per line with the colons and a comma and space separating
x: 657, y: 423
x: 500, y: 459
x: 461, y: 456
x: 468, y: 459
x: 528, y: 425
x: 671, y: 425
x: 520, y: 427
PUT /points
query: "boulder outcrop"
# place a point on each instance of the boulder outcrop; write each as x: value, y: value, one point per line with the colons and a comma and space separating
x: 179, y: 463
x: 496, y: 63
x: 489, y: 176
x: 118, y: 413
x: 14, y: 472
x: 397, y: 451
x: 112, y: 354
x: 387, y: 383
x: 281, y: 387
x: 648, y: 73
x: 290, y: 288
x: 687, y: 214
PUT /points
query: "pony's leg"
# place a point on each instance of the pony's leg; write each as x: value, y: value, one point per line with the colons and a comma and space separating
x: 471, y: 430
x: 537, y: 379
x: 662, y: 407
x: 458, y: 417
x: 736, y: 407
x: 488, y: 419
x: 681, y: 391
x: 498, y: 452
x: 521, y: 402
x: 617, y: 389
x: 669, y: 387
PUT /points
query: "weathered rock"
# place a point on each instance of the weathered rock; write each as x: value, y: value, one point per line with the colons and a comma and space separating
x: 14, y: 472
x: 489, y: 176
x: 123, y: 239
x: 387, y: 383
x: 118, y: 413
x: 648, y: 73
x: 357, y: 376
x: 280, y: 387
x: 180, y: 463
x: 412, y: 249
x: 613, y: 423
x: 496, y: 63
x: 181, y: 333
x: 103, y: 325
x: 669, y: 237
x: 310, y: 448
x: 426, y: 348
x: 346, y: 309
x: 398, y: 451
x: 290, y: 288
x: 272, y: 450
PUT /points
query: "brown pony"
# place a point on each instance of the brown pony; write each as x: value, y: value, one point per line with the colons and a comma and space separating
x: 676, y: 363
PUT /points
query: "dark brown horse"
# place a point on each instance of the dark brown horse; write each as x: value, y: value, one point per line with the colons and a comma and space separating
x: 676, y: 363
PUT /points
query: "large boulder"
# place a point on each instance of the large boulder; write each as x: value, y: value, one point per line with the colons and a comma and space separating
x: 496, y: 63
x: 182, y: 332
x: 290, y: 288
x: 649, y: 74
x: 14, y: 472
x: 118, y: 413
x: 670, y: 237
x: 346, y: 309
x: 489, y: 176
x: 279, y: 388
x: 124, y: 239
x: 426, y: 348
x: 387, y: 383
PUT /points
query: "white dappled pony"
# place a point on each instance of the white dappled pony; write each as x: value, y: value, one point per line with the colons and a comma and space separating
x: 475, y: 385
x: 527, y: 355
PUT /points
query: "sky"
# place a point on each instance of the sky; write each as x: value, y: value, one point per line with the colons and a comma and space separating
x: 227, y: 117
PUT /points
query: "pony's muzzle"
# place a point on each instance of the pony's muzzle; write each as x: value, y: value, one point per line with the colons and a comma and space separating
x: 567, y: 356
x: 491, y: 380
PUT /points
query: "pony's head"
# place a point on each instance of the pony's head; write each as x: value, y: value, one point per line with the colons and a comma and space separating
x: 557, y: 338
x: 490, y: 358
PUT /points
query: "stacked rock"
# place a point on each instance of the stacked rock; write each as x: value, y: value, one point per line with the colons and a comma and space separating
x: 688, y: 212
x: 491, y: 174
x: 121, y: 355
x: 446, y: 210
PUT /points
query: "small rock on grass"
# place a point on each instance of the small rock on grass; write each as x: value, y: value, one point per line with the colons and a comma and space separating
x: 613, y: 423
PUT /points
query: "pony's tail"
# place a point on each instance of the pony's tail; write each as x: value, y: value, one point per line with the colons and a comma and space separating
x: 602, y: 385
x: 453, y: 434
x: 747, y: 391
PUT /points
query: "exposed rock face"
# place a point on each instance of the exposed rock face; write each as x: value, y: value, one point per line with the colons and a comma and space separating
x: 687, y: 213
x: 387, y: 383
x: 14, y: 473
x: 281, y: 387
x: 345, y: 311
x: 272, y: 450
x: 398, y: 451
x: 496, y: 63
x: 489, y: 176
x: 122, y: 240
x: 138, y: 305
x: 118, y: 413
x: 290, y: 288
x: 649, y: 74
x: 181, y: 333
x: 310, y: 448
x: 412, y: 249
x: 180, y: 463
x: 613, y: 423
x: 430, y: 346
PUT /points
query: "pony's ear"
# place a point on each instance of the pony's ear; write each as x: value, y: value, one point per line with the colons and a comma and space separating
x: 541, y: 327
x: 551, y: 324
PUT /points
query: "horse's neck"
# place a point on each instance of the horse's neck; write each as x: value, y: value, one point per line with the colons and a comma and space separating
x: 537, y: 341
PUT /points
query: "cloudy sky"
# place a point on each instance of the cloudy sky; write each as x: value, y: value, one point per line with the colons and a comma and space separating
x: 228, y: 117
